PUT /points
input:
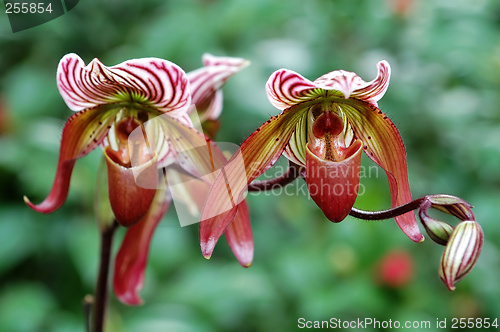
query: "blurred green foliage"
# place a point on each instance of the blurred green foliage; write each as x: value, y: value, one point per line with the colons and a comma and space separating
x: 443, y: 97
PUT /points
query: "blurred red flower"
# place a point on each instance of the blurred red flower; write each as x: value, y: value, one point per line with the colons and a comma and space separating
x: 395, y: 269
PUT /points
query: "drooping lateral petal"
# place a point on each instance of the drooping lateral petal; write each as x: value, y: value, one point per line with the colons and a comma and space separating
x: 286, y: 88
x: 188, y: 195
x: 258, y: 152
x: 383, y: 144
x: 206, y: 82
x: 351, y: 85
x: 239, y: 236
x: 130, y: 263
x: 81, y: 134
x: 149, y: 81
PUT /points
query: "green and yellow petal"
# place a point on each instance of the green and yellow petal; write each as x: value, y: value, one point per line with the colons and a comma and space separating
x: 383, y: 144
x: 81, y: 134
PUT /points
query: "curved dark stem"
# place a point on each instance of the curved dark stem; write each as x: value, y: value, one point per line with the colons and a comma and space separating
x: 292, y: 173
x: 101, y: 293
x: 387, y: 214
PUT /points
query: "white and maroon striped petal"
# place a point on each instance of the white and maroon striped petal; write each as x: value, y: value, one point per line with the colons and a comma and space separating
x: 374, y: 90
x: 286, y: 88
x: 351, y: 85
x: 205, y: 83
x: 149, y: 81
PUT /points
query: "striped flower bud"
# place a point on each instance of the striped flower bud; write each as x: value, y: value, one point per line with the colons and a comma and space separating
x: 461, y: 252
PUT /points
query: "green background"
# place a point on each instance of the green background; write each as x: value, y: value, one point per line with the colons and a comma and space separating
x: 443, y: 97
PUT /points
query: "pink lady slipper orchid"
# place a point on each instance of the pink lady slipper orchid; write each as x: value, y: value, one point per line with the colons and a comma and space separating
x: 111, y: 102
x: 323, y: 126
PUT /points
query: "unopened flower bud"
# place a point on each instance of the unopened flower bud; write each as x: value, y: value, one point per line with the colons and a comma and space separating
x: 438, y: 231
x: 461, y: 252
x: 452, y: 205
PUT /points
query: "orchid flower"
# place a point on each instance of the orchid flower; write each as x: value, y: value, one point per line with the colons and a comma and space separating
x: 324, y: 125
x: 111, y: 103
x: 205, y: 86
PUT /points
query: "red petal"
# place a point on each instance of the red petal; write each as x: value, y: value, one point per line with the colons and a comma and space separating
x: 334, y: 185
x: 81, y: 134
x: 128, y: 200
x: 256, y: 154
x: 131, y: 259
x: 239, y: 236
x: 384, y: 146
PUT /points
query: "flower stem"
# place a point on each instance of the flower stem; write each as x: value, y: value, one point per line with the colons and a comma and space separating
x: 289, y: 176
x: 445, y: 203
x: 101, y: 294
x: 387, y: 214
